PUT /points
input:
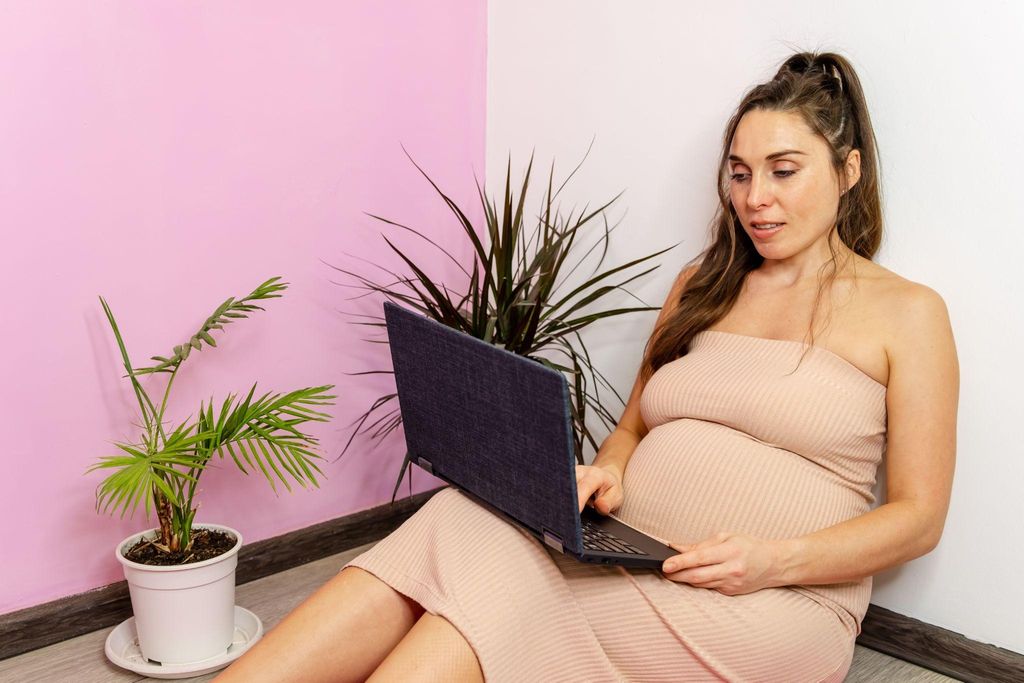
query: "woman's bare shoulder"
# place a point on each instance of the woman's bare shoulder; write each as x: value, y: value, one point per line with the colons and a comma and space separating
x: 906, y: 309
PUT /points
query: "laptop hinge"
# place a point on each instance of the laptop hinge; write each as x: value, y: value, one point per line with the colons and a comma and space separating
x: 553, y: 540
x: 425, y: 464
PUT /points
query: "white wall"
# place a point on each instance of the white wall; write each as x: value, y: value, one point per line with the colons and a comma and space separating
x: 656, y: 82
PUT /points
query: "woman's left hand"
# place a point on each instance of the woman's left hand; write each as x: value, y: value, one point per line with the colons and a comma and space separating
x: 732, y: 564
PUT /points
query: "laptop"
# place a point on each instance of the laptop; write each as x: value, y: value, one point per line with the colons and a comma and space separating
x: 498, y: 427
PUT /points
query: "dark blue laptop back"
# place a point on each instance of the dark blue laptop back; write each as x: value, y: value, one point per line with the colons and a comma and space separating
x: 491, y: 422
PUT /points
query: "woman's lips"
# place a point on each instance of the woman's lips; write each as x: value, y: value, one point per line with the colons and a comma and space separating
x: 761, y: 233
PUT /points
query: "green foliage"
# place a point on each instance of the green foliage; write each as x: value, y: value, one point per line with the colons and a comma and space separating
x: 163, y: 469
x: 513, y: 296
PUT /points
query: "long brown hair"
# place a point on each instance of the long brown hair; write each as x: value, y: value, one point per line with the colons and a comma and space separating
x: 824, y: 89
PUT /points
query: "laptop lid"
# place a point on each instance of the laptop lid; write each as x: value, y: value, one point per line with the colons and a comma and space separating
x: 489, y: 421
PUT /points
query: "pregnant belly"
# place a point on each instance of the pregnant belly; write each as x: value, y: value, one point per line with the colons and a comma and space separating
x: 689, y: 479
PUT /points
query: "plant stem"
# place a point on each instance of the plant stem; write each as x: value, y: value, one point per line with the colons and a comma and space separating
x: 163, y: 513
x: 163, y: 405
x: 160, y: 502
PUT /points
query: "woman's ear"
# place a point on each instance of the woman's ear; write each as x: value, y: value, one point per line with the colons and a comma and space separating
x: 852, y: 168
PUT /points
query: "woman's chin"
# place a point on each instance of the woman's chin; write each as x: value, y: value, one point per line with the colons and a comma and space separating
x: 774, y: 252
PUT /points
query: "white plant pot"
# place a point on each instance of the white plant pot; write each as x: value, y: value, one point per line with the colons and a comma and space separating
x: 183, y: 613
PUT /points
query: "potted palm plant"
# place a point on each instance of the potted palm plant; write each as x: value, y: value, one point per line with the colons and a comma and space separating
x: 524, y: 293
x: 181, y: 575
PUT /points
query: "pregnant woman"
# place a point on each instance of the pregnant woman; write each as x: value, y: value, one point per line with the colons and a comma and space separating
x: 784, y: 364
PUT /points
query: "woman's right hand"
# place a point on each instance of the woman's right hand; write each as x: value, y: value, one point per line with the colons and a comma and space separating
x: 602, y: 483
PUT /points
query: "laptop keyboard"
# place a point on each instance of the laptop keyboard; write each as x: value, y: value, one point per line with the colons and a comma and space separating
x: 594, y: 538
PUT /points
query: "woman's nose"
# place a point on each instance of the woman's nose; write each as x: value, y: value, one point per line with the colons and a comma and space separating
x: 760, y: 192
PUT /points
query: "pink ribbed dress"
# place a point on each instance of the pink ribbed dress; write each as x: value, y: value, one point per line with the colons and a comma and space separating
x: 741, y: 439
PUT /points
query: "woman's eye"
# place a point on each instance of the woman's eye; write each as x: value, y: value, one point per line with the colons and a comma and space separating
x: 741, y: 177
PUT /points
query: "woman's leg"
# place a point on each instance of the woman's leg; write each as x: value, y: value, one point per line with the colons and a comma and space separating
x: 340, y: 633
x: 433, y: 650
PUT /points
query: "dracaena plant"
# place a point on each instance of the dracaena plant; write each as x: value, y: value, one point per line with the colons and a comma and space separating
x: 163, y: 467
x: 520, y: 295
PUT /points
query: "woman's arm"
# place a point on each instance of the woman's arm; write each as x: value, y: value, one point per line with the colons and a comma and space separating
x: 617, y: 449
x: 921, y: 402
x: 602, y: 480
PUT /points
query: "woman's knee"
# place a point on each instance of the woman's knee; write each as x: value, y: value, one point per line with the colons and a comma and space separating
x: 378, y: 595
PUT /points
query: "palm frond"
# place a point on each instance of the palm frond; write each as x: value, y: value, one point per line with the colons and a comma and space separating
x: 265, y: 431
x: 225, y: 314
x: 139, y: 471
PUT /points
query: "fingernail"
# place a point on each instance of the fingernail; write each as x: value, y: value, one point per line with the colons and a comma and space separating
x: 670, y: 566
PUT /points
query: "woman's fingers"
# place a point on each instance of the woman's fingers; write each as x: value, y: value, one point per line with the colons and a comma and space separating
x: 699, y: 576
x: 607, y: 504
x: 732, y: 564
x: 697, y: 555
x: 587, y: 483
x: 599, y: 483
x: 609, y: 495
x: 583, y: 493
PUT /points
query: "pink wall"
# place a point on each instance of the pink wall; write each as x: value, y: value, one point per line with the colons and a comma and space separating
x: 168, y: 155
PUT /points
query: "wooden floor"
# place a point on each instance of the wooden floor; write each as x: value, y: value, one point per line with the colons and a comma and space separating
x: 81, y: 659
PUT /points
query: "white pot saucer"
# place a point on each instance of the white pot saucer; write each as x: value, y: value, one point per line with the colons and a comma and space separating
x: 122, y: 648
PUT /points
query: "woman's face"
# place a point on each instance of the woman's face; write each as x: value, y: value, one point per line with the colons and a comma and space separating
x: 781, y: 173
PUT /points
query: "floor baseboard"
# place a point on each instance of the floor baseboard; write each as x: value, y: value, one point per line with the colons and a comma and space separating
x: 893, y: 634
x: 938, y: 649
